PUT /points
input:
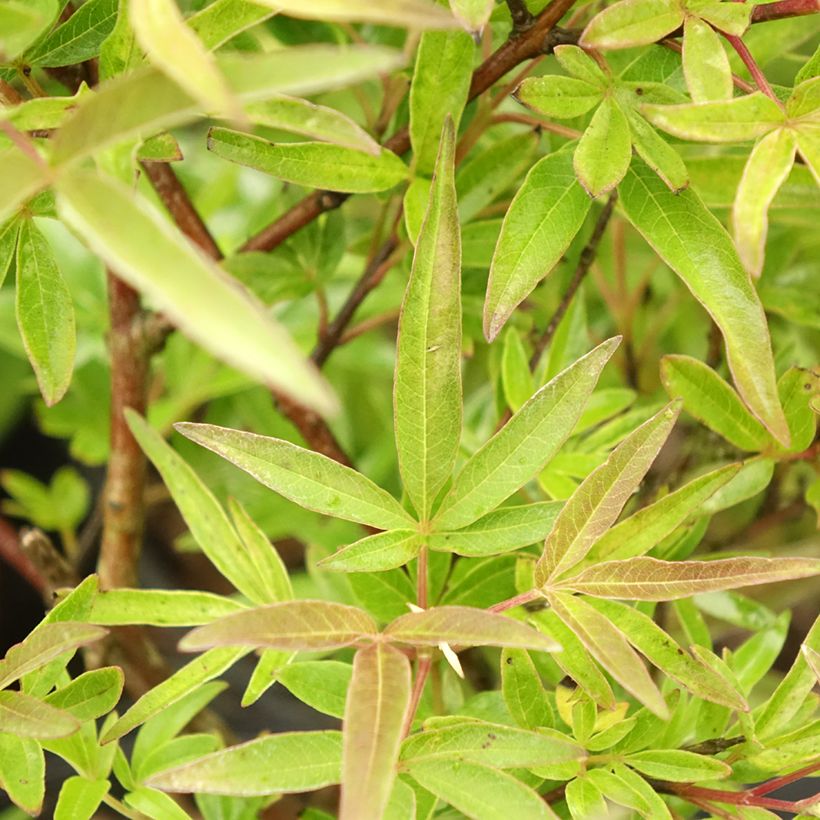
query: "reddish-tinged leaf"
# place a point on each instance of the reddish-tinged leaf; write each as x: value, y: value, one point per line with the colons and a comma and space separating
x: 287, y: 625
x: 648, y: 579
x: 377, y: 701
x: 610, y: 648
x: 465, y: 626
x: 594, y: 506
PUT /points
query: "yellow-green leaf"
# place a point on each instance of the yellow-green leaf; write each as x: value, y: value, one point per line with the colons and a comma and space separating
x: 427, y: 391
x: 421, y: 14
x: 705, y: 64
x: 375, y: 553
x: 766, y: 170
x: 377, y: 700
x: 695, y: 245
x: 632, y: 23
x: 605, y: 150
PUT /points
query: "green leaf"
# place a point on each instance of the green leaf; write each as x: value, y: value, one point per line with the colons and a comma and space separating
x: 91, y: 695
x: 479, y: 791
x: 291, y: 625
x: 705, y: 64
x: 77, y: 39
x: 712, y: 401
x: 523, y: 691
x: 441, y: 81
x: 145, y: 101
x: 222, y: 20
x: 377, y: 700
x: 311, y: 480
x: 656, y: 152
x: 176, y: 50
x: 812, y: 659
x: 490, y: 744
x: 608, y: 645
x: 560, y: 97
x: 80, y: 798
x: 632, y: 23
x: 472, y: 14
x: 268, y: 668
x: 796, y: 387
x: 159, y: 607
x: 8, y: 246
x: 605, y: 149
x: 728, y: 17
x: 45, y: 313
x: 643, y: 530
x: 769, y: 164
x: 596, y: 504
x: 736, y: 120
x: 313, y: 164
x: 575, y: 61
x: 315, y: 121
x: 808, y: 143
x: 173, y: 689
x: 661, y: 651
x: 696, y: 246
x: 752, y: 478
x: 322, y: 685
x: 204, y: 516
x: 584, y: 799
x: 376, y: 553
x: 626, y: 788
x: 516, y: 377
x: 504, y: 530
x: 26, y: 716
x: 427, y: 391
x: 522, y: 448
x: 465, y: 626
x: 677, y: 765
x: 22, y: 772
x: 48, y: 641
x: 648, y: 579
x: 21, y: 23
x: 154, y: 805
x: 305, y: 761
x: 804, y: 102
x: 270, y: 568
x: 421, y: 14
x: 544, y: 216
x: 191, y: 290
x: 22, y: 178
x: 574, y: 659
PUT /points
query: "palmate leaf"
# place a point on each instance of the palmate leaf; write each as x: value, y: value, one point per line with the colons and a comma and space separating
x: 304, y: 761
x: 293, y: 625
x: 661, y: 651
x: 311, y: 480
x: 608, y: 645
x: 598, y: 501
x: 648, y: 579
x: 204, y: 302
x: 313, y: 164
x: 695, y: 245
x: 176, y: 50
x: 524, y: 445
x: 640, y: 532
x: 427, y: 384
x: 546, y: 213
x: 377, y: 700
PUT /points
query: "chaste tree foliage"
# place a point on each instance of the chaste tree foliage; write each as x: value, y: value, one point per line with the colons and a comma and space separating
x: 557, y: 267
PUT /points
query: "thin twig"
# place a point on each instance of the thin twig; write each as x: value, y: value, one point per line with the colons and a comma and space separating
x: 11, y: 551
x: 783, y: 9
x: 754, y: 69
x: 581, y: 270
x: 423, y: 665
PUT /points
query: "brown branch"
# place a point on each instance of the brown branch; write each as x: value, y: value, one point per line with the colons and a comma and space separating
x: 179, y: 205
x: 584, y: 264
x: 124, y: 486
x: 513, y: 52
x: 783, y: 9
x: 522, y: 17
x: 372, y: 275
x: 11, y: 551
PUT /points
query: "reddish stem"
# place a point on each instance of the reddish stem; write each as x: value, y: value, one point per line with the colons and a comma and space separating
x: 518, y: 600
x: 784, y: 8
x: 11, y: 551
x: 754, y: 69
x: 779, y: 782
x: 421, y: 581
x: 422, y: 671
